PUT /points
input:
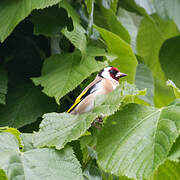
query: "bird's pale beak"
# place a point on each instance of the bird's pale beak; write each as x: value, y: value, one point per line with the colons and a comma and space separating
x: 119, y: 75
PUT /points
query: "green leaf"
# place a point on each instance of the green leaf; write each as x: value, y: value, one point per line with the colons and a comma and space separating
x: 90, y: 9
x: 50, y: 21
x: 51, y: 164
x: 168, y: 170
x: 169, y: 57
x: 3, y: 85
x: 27, y: 141
x: 13, y: 131
x: 96, y: 51
x: 134, y: 6
x: 25, y: 103
x: 77, y: 35
x: 168, y: 10
x: 92, y: 172
x: 144, y: 79
x: 106, y: 18
x: 62, y: 73
x: 147, y: 5
x: 148, y: 47
x: 131, y: 22
x: 174, y: 153
x: 126, y: 60
x: 12, y: 12
x: 3, y: 175
x: 106, y: 105
x: 37, y: 164
x: 137, y: 139
x: 59, y: 129
x: 175, y: 89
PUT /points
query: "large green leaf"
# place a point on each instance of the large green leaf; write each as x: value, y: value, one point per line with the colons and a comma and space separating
x: 3, y: 175
x: 59, y: 129
x: 167, y: 171
x: 25, y: 103
x: 126, y: 60
x: 12, y: 12
x: 37, y: 164
x: 147, y: 5
x: 175, y: 88
x: 137, y: 139
x: 50, y: 21
x: 148, y: 47
x: 77, y: 35
x: 169, y: 57
x: 168, y: 9
x: 108, y: 104
x: 131, y: 22
x: 62, y: 73
x: 134, y: 6
x: 149, y: 42
x: 107, y: 19
x: 3, y: 85
x: 144, y: 79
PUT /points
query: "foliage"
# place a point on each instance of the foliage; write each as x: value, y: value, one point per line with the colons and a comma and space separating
x: 50, y: 51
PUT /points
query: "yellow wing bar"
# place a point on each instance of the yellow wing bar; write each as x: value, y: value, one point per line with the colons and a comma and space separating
x: 78, y: 99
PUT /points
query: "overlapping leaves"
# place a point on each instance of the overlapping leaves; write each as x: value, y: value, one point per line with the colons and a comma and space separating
x: 62, y: 73
x: 25, y: 103
x: 77, y: 35
x: 34, y: 164
x: 126, y: 60
x: 59, y: 129
x: 137, y: 139
x: 12, y: 12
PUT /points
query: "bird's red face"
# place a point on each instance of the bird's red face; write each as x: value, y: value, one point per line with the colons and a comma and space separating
x: 116, y: 74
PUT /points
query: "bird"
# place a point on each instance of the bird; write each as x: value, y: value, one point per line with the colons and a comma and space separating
x: 105, y: 82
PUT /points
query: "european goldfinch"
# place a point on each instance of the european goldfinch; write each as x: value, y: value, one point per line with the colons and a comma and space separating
x: 105, y: 82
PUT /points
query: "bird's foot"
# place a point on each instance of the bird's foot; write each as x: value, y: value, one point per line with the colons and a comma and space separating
x: 98, y: 122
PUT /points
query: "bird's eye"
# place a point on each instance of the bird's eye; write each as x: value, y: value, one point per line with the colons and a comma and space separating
x: 112, y: 71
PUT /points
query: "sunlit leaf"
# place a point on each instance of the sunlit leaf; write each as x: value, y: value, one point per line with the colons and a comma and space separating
x: 137, y: 139
x: 37, y: 164
x: 168, y: 9
x: 175, y: 89
x: 106, y: 18
x: 77, y: 35
x: 147, y: 5
x: 62, y: 73
x: 57, y: 129
x: 131, y: 22
x: 168, y: 170
x: 13, y: 131
x: 126, y: 60
x: 144, y: 79
x: 3, y: 175
x: 148, y: 46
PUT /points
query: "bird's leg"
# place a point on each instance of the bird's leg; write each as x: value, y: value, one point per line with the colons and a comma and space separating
x: 98, y: 122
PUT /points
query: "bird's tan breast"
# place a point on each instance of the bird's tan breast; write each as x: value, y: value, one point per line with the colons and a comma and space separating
x: 106, y: 86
